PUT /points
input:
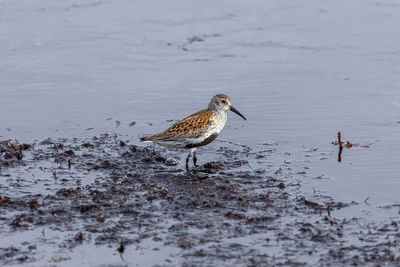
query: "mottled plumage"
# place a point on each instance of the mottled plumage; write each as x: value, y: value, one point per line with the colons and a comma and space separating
x: 192, y: 126
x: 198, y: 129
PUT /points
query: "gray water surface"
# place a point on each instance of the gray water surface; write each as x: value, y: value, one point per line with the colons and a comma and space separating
x: 299, y: 71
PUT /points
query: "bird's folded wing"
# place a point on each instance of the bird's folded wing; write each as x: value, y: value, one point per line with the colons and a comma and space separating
x: 193, y: 126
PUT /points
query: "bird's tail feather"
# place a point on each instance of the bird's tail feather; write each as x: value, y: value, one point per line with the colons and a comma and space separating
x: 157, y: 137
x: 145, y: 139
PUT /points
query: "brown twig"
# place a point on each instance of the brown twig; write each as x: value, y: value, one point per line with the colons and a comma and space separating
x: 340, y: 147
x: 339, y: 137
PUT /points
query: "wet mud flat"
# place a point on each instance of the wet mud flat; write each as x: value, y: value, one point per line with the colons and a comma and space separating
x: 101, y: 201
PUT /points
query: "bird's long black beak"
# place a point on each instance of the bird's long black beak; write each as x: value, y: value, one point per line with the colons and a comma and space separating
x: 237, y: 112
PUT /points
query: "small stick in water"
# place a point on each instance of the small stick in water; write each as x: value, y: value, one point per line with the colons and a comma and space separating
x: 340, y: 147
x: 339, y: 137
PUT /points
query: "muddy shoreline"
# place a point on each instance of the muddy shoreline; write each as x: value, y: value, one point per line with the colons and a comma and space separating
x: 105, y: 193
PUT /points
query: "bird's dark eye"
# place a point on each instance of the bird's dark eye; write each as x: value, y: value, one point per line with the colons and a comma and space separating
x: 223, y: 101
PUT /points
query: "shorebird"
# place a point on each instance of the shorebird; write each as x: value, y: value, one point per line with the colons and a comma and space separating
x: 198, y: 129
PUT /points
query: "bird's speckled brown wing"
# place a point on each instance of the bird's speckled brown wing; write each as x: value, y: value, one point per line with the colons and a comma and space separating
x: 192, y: 126
x: 191, y: 123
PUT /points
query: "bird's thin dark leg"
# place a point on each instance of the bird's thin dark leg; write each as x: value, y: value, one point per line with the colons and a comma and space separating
x: 195, y: 157
x: 187, y: 160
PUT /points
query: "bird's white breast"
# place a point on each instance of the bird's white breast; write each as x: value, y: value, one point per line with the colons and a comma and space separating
x: 219, y: 121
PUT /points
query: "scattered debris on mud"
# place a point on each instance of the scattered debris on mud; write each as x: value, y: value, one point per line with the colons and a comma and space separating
x: 131, y: 201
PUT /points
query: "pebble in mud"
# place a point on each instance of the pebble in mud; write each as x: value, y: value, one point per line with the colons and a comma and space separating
x: 171, y: 161
x: 137, y: 197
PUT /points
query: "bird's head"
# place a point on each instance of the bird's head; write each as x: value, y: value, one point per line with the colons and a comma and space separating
x: 222, y: 102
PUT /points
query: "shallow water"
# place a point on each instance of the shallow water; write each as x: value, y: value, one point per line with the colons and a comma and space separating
x: 299, y: 72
